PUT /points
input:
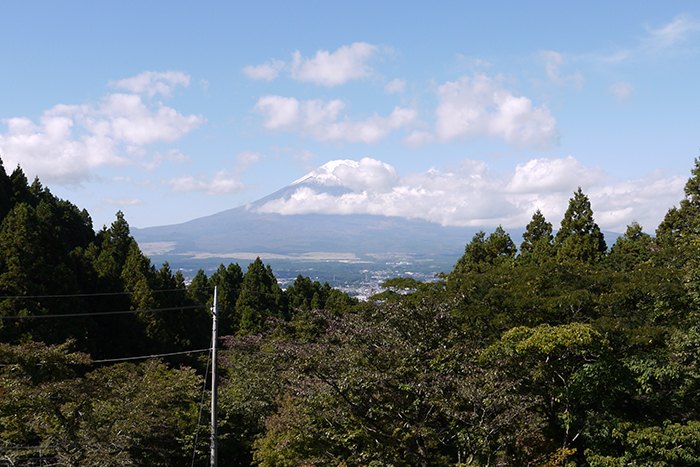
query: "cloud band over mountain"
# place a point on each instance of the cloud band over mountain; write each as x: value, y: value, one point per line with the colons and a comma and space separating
x: 474, y: 195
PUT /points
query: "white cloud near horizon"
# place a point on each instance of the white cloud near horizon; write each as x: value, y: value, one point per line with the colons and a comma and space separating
x: 328, y: 69
x: 70, y: 141
x: 479, y: 106
x: 473, y: 195
x: 122, y: 201
x: 152, y: 82
x: 223, y: 182
x: 319, y: 119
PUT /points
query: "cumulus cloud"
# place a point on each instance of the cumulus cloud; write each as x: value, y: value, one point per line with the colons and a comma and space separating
x: 331, y: 69
x: 396, y: 86
x: 267, y: 71
x: 319, y: 119
x: 474, y: 195
x: 479, y: 106
x: 70, y: 141
x: 221, y: 183
x: 152, y: 82
x: 419, y: 138
x: 621, y: 90
x: 348, y: 63
x: 553, y: 61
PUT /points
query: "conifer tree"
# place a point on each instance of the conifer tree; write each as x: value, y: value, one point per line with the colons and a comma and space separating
x: 682, y: 223
x: 579, y: 237
x: 260, y: 298
x: 483, y: 251
x: 630, y: 249
x: 537, y: 240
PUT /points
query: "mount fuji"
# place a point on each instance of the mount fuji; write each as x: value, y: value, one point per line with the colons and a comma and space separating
x: 285, y: 230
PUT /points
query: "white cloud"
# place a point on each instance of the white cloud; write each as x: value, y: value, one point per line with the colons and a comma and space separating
x: 347, y: 63
x: 246, y: 159
x: 479, y: 106
x: 396, y: 86
x: 267, y: 71
x: 70, y: 141
x: 419, y: 138
x: 122, y: 201
x: 548, y: 175
x: 473, y: 195
x: 658, y: 43
x: 152, y: 82
x: 553, y: 61
x: 319, y: 119
x: 304, y: 155
x: 221, y: 183
x: 673, y: 33
x: 331, y: 69
x: 621, y: 90
x: 173, y: 156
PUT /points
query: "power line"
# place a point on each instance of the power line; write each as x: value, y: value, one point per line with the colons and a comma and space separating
x: 121, y: 359
x: 103, y: 313
x: 100, y: 294
x: 124, y: 359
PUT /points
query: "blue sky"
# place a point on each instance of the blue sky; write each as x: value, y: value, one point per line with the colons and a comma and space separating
x: 455, y: 112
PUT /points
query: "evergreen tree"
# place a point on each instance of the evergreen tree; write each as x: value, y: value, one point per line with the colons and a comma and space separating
x: 630, y: 249
x: 482, y: 251
x: 537, y: 240
x: 260, y: 298
x: 5, y: 192
x: 682, y: 223
x: 229, y: 281
x: 579, y: 237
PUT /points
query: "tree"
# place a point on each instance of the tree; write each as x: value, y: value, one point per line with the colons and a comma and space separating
x: 260, y: 298
x: 229, y: 281
x: 630, y: 249
x: 537, y: 240
x: 119, y: 415
x: 681, y: 224
x: 579, y: 238
x: 483, y: 252
x: 393, y: 384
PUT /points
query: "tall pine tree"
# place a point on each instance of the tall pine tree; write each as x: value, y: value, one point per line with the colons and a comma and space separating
x: 579, y: 238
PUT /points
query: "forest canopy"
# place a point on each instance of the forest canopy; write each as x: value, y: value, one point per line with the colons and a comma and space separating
x: 565, y: 351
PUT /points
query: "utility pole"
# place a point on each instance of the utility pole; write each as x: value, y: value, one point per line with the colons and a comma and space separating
x: 214, y: 338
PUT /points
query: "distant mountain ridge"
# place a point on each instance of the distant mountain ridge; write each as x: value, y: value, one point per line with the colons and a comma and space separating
x: 296, y: 240
x: 245, y: 232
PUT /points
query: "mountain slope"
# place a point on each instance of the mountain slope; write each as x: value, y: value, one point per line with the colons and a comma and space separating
x: 248, y: 231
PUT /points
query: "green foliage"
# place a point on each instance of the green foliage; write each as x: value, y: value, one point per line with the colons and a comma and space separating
x: 260, y: 298
x: 119, y: 415
x: 483, y: 252
x: 394, y: 385
x: 631, y: 249
x: 537, y: 240
x: 681, y: 224
x: 579, y: 238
